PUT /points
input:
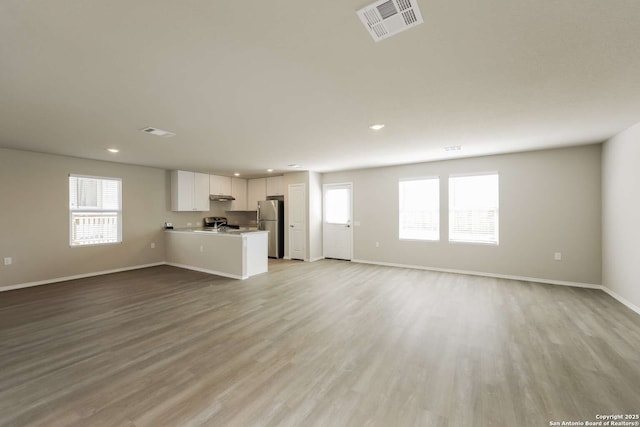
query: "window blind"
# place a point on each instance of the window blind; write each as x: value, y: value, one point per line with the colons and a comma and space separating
x: 95, y: 210
x: 419, y: 209
x: 474, y: 208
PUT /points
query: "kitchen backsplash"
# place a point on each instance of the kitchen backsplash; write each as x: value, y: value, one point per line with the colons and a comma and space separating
x: 242, y: 218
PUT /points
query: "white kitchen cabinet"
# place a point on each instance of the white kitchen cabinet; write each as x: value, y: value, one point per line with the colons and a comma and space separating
x: 189, y: 191
x: 256, y: 191
x: 219, y: 185
x: 239, y: 191
x: 275, y: 186
x: 201, y: 192
x: 236, y: 255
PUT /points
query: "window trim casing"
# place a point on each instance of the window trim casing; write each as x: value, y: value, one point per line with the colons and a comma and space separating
x: 72, y: 211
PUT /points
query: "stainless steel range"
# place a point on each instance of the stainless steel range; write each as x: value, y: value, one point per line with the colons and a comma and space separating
x: 214, y: 222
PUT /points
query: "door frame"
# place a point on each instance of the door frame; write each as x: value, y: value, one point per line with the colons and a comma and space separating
x: 351, y: 223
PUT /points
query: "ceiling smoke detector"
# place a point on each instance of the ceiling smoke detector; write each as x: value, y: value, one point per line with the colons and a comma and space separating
x: 158, y: 132
x: 386, y: 18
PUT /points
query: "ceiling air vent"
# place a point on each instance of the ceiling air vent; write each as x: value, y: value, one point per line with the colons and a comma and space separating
x: 158, y: 132
x: 386, y: 18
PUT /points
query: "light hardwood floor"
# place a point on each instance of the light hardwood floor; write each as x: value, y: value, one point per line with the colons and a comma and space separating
x: 329, y: 343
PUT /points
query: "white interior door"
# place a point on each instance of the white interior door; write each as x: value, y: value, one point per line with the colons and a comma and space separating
x: 297, y: 222
x: 337, y: 234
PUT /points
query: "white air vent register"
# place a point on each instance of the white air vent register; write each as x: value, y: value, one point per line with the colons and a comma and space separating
x: 158, y: 132
x: 386, y: 18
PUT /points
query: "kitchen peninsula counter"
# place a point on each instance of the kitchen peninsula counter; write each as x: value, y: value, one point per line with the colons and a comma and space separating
x: 238, y: 254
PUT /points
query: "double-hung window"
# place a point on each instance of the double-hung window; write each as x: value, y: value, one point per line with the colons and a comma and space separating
x: 419, y: 209
x: 95, y: 210
x: 473, y: 208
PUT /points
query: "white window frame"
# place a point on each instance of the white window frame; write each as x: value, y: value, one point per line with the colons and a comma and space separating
x: 403, y: 236
x: 96, y: 211
x: 478, y: 240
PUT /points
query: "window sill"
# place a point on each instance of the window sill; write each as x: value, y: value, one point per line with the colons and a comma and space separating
x: 95, y: 244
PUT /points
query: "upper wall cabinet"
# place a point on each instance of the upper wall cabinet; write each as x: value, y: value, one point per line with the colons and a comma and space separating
x: 256, y: 191
x: 239, y: 192
x: 189, y: 191
x: 275, y: 186
x: 219, y: 185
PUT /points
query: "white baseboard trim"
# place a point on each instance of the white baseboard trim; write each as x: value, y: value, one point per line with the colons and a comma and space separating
x: 621, y: 299
x: 483, y: 274
x: 316, y: 259
x: 603, y: 288
x: 77, y: 276
x: 204, y: 270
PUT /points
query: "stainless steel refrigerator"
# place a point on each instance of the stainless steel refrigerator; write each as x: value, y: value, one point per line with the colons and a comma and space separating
x: 271, y: 219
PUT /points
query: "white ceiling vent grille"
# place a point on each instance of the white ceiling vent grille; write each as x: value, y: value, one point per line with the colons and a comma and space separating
x: 158, y: 132
x: 386, y: 18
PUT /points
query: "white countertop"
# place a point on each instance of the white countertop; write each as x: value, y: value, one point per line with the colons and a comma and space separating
x: 224, y: 232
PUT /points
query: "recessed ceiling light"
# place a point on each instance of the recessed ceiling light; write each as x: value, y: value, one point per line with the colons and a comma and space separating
x: 293, y: 165
x: 236, y: 174
x: 376, y: 126
x: 453, y: 148
x: 113, y: 150
x: 158, y: 132
x: 269, y: 170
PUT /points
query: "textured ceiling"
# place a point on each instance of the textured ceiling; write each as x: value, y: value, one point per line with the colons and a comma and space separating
x: 257, y: 85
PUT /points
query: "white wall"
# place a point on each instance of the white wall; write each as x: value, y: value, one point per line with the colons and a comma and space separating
x: 550, y: 202
x: 34, y: 212
x: 621, y: 215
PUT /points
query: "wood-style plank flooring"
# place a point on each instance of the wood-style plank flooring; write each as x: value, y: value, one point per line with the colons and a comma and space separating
x: 329, y: 343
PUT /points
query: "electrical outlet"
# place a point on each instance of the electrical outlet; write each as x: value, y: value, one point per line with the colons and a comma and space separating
x: 557, y: 256
x: 153, y: 245
x: 8, y: 260
x: 377, y: 244
x: 201, y: 248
